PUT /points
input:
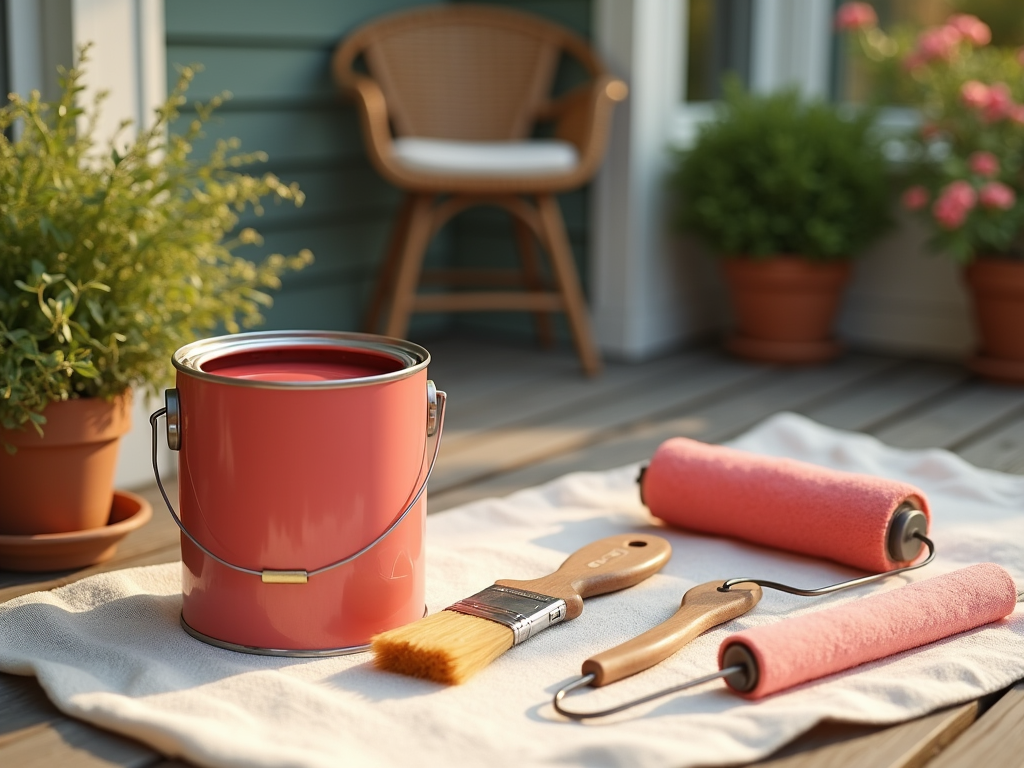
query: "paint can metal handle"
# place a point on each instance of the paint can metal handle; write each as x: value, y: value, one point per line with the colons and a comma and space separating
x: 436, y: 401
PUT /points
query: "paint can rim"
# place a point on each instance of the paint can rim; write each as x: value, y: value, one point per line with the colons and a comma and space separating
x: 190, y: 358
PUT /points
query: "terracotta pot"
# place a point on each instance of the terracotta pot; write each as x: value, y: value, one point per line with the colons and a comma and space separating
x: 785, y: 308
x: 997, y: 293
x: 64, y: 480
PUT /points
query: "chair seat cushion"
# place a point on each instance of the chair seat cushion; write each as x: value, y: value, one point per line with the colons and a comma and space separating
x: 537, y: 157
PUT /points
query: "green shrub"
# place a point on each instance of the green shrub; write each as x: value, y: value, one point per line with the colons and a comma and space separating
x: 110, y: 257
x: 775, y: 175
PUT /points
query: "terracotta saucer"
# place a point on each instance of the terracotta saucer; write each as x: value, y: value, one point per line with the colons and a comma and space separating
x: 784, y: 351
x: 1000, y: 369
x: 76, y: 549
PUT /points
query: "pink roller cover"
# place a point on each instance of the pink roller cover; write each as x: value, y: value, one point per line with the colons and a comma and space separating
x: 780, y: 503
x: 798, y: 650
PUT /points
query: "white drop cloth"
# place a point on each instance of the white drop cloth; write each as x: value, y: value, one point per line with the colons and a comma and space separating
x: 109, y: 650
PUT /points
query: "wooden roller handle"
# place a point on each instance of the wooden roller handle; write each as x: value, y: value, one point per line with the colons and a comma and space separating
x: 603, y: 566
x: 703, y: 607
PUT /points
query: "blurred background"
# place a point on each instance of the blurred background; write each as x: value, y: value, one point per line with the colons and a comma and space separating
x: 649, y: 289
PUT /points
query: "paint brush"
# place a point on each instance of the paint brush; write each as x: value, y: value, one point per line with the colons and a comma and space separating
x: 453, y: 645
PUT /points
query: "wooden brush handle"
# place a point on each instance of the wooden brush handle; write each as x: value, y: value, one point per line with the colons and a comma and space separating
x: 703, y: 607
x: 603, y: 566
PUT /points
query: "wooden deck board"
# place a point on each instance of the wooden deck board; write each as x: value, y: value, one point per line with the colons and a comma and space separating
x: 996, y: 740
x: 889, y: 395
x: 722, y: 415
x: 519, y: 417
x: 844, y: 745
x: 156, y: 542
x: 971, y: 410
x: 68, y: 743
x: 550, y: 433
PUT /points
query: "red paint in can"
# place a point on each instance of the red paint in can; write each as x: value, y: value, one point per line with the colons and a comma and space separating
x: 297, y: 450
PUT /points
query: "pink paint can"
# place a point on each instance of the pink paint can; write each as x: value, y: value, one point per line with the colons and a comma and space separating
x: 303, y: 459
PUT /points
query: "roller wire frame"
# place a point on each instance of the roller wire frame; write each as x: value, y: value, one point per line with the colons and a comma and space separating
x: 741, y: 671
x: 726, y: 586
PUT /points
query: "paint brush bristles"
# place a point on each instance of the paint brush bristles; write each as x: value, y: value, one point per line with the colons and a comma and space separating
x: 445, y: 647
x: 453, y: 645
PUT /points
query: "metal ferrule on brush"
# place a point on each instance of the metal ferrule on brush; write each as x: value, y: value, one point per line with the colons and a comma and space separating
x: 525, y: 613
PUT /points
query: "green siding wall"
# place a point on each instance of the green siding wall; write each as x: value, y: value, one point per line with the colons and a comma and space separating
x: 273, y: 58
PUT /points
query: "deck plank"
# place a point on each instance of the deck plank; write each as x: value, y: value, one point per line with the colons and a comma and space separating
x: 725, y: 415
x: 996, y: 740
x: 969, y: 411
x: 844, y: 745
x: 550, y: 433
x: 24, y: 707
x: 155, y: 542
x: 554, y: 391
x: 519, y: 418
x: 1001, y: 449
x: 888, y: 396
x: 476, y: 375
x: 69, y: 743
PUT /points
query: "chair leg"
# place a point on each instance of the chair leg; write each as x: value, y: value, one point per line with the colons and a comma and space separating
x: 534, y: 281
x: 568, y: 282
x: 386, y: 278
x: 410, y: 264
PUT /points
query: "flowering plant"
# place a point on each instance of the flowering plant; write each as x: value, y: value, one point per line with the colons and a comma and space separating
x: 967, y: 158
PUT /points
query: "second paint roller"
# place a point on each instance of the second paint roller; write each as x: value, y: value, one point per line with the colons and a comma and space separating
x: 764, y: 660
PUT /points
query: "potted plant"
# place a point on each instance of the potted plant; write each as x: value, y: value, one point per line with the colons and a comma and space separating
x: 111, y: 257
x: 966, y: 165
x: 787, y: 192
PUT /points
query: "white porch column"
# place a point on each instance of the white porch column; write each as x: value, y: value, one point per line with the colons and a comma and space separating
x: 791, y: 46
x: 635, y: 285
x: 128, y: 60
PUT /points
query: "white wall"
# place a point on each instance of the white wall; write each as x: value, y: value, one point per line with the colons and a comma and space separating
x: 127, y: 60
x: 908, y: 300
x: 638, y: 284
x: 653, y: 289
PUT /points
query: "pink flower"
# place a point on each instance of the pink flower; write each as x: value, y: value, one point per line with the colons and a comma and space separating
x: 1017, y: 113
x: 915, y: 198
x: 974, y: 94
x: 853, y: 16
x: 997, y: 196
x: 914, y: 61
x: 953, y: 205
x: 1000, y: 102
x: 938, y: 43
x: 971, y: 28
x: 983, y: 163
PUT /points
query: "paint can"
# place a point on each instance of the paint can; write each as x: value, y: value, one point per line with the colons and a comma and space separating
x: 303, y: 459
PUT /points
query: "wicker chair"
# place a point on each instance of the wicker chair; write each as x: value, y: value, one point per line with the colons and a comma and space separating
x: 448, y: 100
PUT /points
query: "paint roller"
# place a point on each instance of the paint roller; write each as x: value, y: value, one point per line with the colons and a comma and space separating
x: 870, y: 523
x: 765, y: 660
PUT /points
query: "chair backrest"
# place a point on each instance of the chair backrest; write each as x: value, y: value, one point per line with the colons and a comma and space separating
x: 464, y: 72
